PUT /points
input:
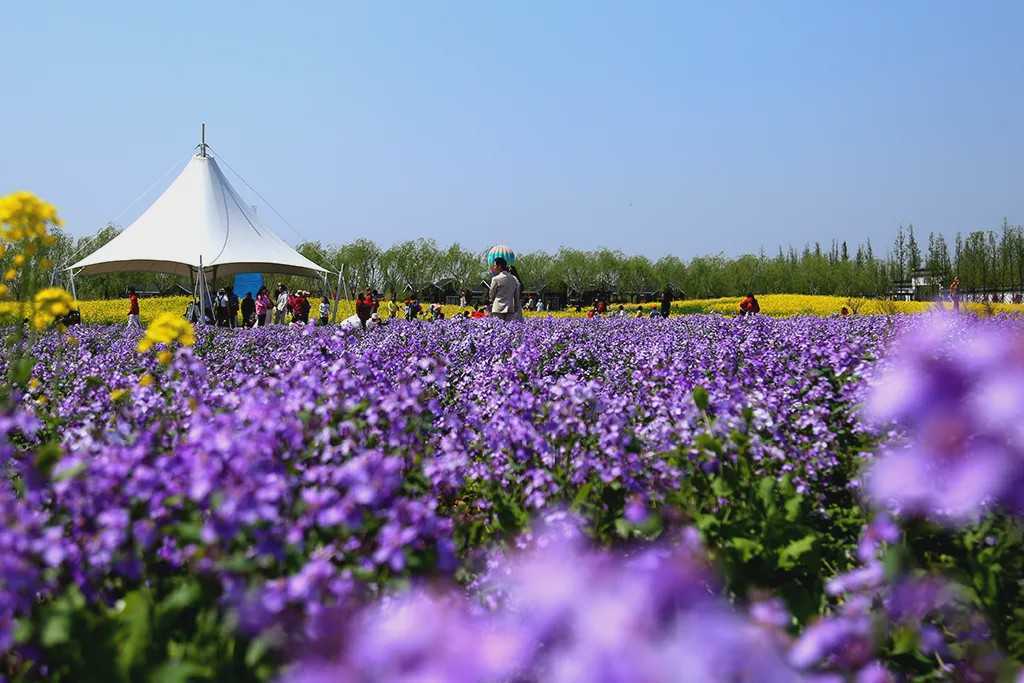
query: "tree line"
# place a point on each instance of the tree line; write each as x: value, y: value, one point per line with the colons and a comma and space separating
x: 983, y: 259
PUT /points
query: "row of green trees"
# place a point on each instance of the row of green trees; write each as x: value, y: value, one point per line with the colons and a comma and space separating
x: 983, y: 259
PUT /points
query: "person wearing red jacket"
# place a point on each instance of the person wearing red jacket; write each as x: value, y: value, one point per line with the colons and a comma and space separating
x: 749, y: 305
x: 133, y: 309
x: 364, y: 308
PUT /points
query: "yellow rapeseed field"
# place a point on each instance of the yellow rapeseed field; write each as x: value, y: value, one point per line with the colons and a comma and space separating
x: 777, y: 305
x: 784, y: 305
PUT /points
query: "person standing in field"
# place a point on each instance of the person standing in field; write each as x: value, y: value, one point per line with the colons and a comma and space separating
x: 364, y: 307
x: 954, y: 293
x: 248, y: 310
x: 300, y: 306
x: 232, y: 307
x: 133, y: 309
x: 666, y: 302
x: 504, y: 291
x: 281, y: 305
x: 392, y: 308
x: 325, y: 312
x: 263, y: 306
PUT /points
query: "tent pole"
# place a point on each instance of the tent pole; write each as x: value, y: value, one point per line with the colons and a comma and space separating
x: 337, y: 295
x: 71, y: 278
x: 204, y: 291
x: 344, y: 286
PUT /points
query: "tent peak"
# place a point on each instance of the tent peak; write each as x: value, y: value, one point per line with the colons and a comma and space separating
x: 202, y: 146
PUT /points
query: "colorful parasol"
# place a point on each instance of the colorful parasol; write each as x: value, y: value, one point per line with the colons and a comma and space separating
x: 501, y: 251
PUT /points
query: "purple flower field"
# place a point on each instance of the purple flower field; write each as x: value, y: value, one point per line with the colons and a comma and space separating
x: 563, y: 500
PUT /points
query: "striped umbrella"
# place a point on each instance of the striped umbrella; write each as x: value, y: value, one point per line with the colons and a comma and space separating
x: 501, y: 251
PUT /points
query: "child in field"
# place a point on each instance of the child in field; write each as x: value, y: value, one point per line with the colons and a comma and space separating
x: 325, y: 312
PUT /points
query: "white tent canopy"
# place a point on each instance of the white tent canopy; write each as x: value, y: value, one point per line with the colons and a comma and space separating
x: 199, y: 219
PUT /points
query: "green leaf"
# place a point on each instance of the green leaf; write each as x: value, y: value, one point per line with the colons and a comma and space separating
x: 581, y: 496
x: 793, y: 506
x: 720, y: 487
x: 701, y: 398
x: 56, y: 629
x: 71, y: 472
x: 766, y: 490
x: 747, y: 547
x: 904, y: 640
x: 257, y: 650
x: 134, y: 638
x: 184, y: 596
x: 623, y: 528
x: 794, y: 551
x: 22, y: 630
x: 47, y: 455
x: 21, y: 371
x: 177, y: 672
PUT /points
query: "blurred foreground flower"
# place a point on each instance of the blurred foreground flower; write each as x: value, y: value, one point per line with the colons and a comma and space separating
x: 566, y: 614
x: 167, y: 329
x: 24, y: 217
x: 958, y: 398
x: 48, y: 305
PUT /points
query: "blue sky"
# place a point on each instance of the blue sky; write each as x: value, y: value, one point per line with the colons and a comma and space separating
x: 648, y: 127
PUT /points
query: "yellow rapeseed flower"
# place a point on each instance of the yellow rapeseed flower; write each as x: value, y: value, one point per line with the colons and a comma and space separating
x: 23, y: 216
x: 33, y: 384
x: 19, y: 260
x: 48, y: 305
x: 164, y: 357
x: 146, y: 380
x: 117, y: 394
x: 167, y: 329
x: 11, y: 275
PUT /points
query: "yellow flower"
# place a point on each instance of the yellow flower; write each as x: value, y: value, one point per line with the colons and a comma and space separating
x: 117, y: 394
x: 10, y: 275
x: 146, y: 380
x: 33, y: 384
x: 164, y: 357
x: 167, y: 329
x: 23, y: 216
x: 3, y: 289
x: 48, y: 305
x: 19, y: 259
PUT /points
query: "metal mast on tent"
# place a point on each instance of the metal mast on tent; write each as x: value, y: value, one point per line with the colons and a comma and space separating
x: 202, y: 140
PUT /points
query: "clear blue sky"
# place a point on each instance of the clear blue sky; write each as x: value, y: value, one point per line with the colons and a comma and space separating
x: 649, y: 127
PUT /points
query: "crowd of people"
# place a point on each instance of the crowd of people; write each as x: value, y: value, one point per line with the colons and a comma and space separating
x: 505, y: 295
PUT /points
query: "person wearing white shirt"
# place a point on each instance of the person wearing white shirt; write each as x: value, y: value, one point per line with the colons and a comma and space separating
x: 504, y: 292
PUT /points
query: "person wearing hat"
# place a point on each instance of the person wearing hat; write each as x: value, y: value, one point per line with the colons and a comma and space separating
x: 504, y: 292
x: 303, y: 307
x: 222, y: 308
